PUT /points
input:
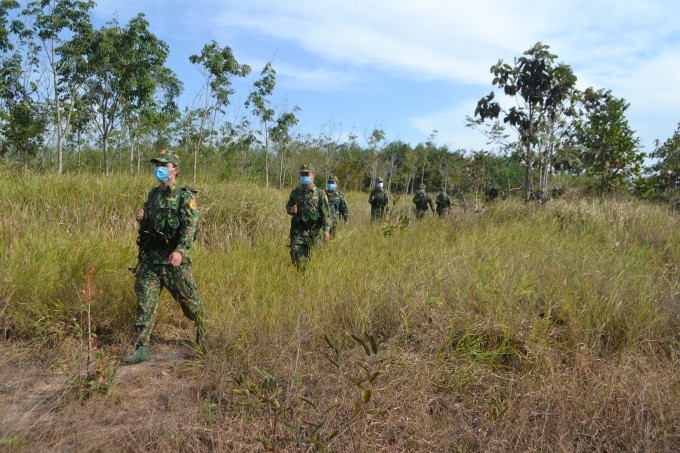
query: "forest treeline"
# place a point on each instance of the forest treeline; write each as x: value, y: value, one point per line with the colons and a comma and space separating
x: 79, y: 98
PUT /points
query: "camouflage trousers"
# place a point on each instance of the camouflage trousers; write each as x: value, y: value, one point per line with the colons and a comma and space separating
x: 443, y: 212
x: 301, y: 244
x: 421, y: 213
x: 151, y: 279
x: 378, y: 213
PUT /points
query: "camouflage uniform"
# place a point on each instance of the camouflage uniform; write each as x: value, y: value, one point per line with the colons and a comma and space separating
x: 170, y: 224
x: 380, y: 205
x: 337, y: 205
x: 421, y: 201
x: 443, y: 203
x: 310, y: 221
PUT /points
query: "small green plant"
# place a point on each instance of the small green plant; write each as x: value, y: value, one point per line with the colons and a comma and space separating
x: 394, y: 224
x: 13, y: 441
x: 361, y: 399
x: 287, y: 424
x: 98, y: 375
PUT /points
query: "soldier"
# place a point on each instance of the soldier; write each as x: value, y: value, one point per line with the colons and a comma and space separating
x: 337, y: 204
x: 421, y: 201
x: 308, y: 206
x: 443, y: 203
x: 380, y: 202
x: 167, y: 231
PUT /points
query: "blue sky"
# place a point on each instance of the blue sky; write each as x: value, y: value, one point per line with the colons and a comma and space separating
x: 417, y: 66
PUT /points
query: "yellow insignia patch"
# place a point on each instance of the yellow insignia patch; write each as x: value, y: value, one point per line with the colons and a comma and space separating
x: 172, y: 199
x: 326, y: 197
x: 192, y: 204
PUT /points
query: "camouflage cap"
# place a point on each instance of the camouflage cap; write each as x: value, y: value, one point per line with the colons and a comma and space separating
x: 332, y: 178
x: 166, y: 156
x: 422, y: 186
x: 309, y: 168
x: 379, y: 179
x: 441, y: 189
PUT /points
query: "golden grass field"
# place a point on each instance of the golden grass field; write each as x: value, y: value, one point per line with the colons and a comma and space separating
x: 549, y: 327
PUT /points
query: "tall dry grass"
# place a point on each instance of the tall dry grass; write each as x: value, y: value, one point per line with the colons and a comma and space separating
x: 566, y: 312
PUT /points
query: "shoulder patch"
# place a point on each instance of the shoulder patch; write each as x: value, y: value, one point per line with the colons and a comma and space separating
x: 326, y: 197
x: 192, y: 204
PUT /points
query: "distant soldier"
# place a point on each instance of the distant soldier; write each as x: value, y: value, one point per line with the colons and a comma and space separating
x: 421, y: 201
x: 443, y: 203
x: 308, y: 206
x: 337, y: 204
x: 167, y: 231
x: 380, y: 202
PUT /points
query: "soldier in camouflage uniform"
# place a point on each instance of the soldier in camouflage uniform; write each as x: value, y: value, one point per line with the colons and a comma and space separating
x: 167, y: 231
x: 337, y: 204
x: 443, y: 203
x: 421, y: 201
x: 380, y: 202
x: 308, y: 206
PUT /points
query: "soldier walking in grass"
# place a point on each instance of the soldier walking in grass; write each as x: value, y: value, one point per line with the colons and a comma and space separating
x: 380, y: 202
x: 443, y: 203
x: 308, y: 205
x: 337, y: 204
x: 167, y: 231
x: 421, y: 201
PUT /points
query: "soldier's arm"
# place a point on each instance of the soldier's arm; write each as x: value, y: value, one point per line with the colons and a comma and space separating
x: 290, y: 204
x: 344, y: 212
x: 189, y: 218
x: 448, y: 202
x: 429, y: 200
x: 324, y: 210
x: 387, y: 202
x: 415, y: 199
x: 371, y: 200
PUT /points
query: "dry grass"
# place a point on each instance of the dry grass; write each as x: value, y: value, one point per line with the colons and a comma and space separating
x: 565, y: 313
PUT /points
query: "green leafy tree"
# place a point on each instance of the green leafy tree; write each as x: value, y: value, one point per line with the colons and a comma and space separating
x: 259, y: 99
x: 218, y: 66
x: 611, y: 152
x: 124, y: 63
x: 534, y: 81
x: 667, y: 168
x: 66, y: 58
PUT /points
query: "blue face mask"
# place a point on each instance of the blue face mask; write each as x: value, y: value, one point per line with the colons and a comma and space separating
x: 161, y: 174
x: 306, y: 180
x: 331, y: 186
x: 421, y: 191
x: 379, y: 185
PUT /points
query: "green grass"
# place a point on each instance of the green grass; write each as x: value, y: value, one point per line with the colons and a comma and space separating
x: 515, y: 289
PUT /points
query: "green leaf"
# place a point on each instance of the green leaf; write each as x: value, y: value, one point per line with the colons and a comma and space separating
x: 362, y: 343
x: 291, y: 428
x: 374, y: 344
x: 374, y: 376
x: 335, y: 433
x: 319, y: 443
x: 366, y: 396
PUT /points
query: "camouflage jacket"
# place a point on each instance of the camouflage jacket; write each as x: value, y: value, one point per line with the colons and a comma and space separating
x: 443, y: 202
x: 381, y: 200
x: 170, y: 224
x: 421, y: 201
x: 338, y: 207
x: 313, y: 212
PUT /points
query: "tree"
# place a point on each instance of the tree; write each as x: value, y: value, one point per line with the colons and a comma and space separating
x: 218, y: 66
x: 667, y: 168
x: 124, y: 64
x: 66, y: 58
x: 534, y: 81
x: 372, y: 155
x: 610, y: 149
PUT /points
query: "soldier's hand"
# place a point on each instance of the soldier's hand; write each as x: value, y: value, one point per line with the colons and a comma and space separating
x: 326, y: 235
x: 294, y: 209
x: 372, y: 198
x: 140, y: 216
x: 175, y: 259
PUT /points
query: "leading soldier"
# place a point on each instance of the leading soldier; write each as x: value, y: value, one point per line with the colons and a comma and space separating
x: 421, y: 200
x: 337, y: 204
x: 380, y: 202
x: 308, y: 206
x: 167, y: 231
x: 443, y: 203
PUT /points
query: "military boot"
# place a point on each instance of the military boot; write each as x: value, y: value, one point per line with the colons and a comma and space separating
x: 202, y: 337
x: 139, y: 355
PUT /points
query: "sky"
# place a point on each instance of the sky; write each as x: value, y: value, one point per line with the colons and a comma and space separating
x: 414, y: 67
